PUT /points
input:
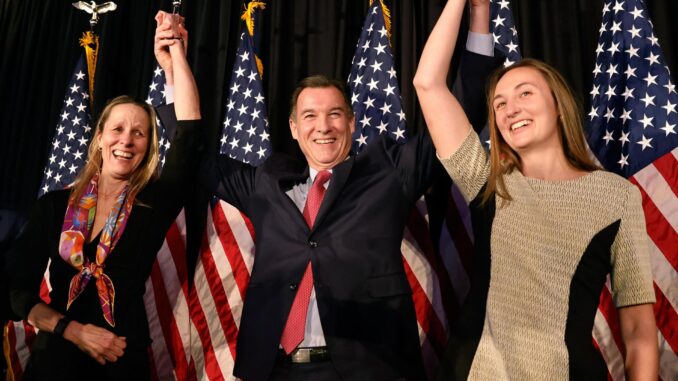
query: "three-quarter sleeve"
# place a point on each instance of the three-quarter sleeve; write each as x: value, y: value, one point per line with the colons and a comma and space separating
x: 468, y: 167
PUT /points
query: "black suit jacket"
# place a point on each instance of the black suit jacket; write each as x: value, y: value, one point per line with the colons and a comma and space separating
x: 364, y: 298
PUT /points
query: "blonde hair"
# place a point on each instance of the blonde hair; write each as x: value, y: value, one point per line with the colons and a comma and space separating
x: 147, y: 169
x: 503, y: 159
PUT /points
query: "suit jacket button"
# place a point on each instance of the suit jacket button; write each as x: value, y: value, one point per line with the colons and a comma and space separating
x: 293, y: 286
x: 313, y: 244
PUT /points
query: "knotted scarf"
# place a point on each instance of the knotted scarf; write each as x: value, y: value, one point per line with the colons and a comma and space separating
x: 74, y: 233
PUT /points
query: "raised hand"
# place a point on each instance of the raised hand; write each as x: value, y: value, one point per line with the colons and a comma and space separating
x: 169, y: 31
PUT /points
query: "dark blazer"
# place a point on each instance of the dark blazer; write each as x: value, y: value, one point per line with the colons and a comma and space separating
x: 364, y: 298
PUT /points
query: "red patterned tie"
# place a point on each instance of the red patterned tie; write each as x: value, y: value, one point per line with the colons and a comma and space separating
x: 293, y: 334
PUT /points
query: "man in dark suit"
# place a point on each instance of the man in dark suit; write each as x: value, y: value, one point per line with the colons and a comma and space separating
x: 328, y: 298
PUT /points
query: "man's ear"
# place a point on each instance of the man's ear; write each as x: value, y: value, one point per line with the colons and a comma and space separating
x: 352, y: 124
x: 293, y: 128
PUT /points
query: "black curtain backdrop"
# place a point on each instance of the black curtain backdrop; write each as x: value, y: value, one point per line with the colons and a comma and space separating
x: 39, y: 48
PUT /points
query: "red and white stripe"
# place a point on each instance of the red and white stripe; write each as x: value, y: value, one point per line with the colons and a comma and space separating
x: 658, y: 183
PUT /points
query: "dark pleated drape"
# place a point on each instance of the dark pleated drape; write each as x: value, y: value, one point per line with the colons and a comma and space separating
x: 38, y: 49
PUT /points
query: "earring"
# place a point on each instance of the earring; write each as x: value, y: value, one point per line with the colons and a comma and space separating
x: 99, y: 148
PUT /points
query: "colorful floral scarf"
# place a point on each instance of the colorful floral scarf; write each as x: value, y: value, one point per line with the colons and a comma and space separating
x: 74, y: 233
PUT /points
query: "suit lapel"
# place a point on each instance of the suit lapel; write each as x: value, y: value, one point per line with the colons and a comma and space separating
x: 340, y: 175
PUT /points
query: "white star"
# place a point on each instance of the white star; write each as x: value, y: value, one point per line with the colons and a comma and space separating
x: 76, y: 121
x: 153, y: 86
x: 227, y: 122
x: 69, y: 101
x: 399, y: 133
x: 618, y: 7
x: 366, y: 45
x: 628, y: 93
x: 616, y: 27
x: 597, y: 70
x: 255, y: 114
x: 358, y: 80
x: 81, y: 107
x: 261, y: 152
x: 80, y: 75
x: 593, y: 113
x: 157, y: 72
x: 234, y: 143
x: 503, y: 4
x: 495, y: 37
x: 614, y: 48
x: 231, y: 105
x: 630, y: 72
x: 382, y: 127
x: 371, y: 28
x: 498, y: 21
x: 72, y: 168
x: 626, y: 115
x: 609, y: 114
x: 512, y: 47
x: 611, y: 92
x: 636, y: 13
x: 363, y: 62
x: 369, y: 103
x: 78, y: 155
x: 670, y: 107
x: 386, y: 108
x: 380, y: 48
x: 235, y: 88
x: 52, y: 159
x: 654, y: 40
x: 389, y: 90
x: 71, y: 135
x: 668, y: 128
x: 670, y: 87
x: 650, y: 79
x: 264, y: 136
x: 632, y: 52
x: 85, y: 95
x: 48, y: 174
x: 259, y: 98
x: 635, y: 32
x: 373, y: 84
x: 64, y: 116
x: 648, y: 100
x: 60, y: 130
x: 606, y: 8
x: 74, y: 88
x: 224, y: 140
x: 391, y: 72
x: 252, y: 76
x: 240, y: 72
x: 401, y: 115
x: 362, y: 140
x: 383, y: 32
x: 247, y: 93
x: 238, y: 126
x: 599, y: 49
x: 603, y: 29
x: 653, y: 59
x: 624, y: 138
x: 62, y: 163
x: 647, y: 121
x: 608, y: 136
x: 376, y: 66
x: 252, y: 130
x: 242, y: 109
x: 365, y: 121
x: 623, y: 161
x: 354, y: 98
x: 645, y: 143
x: 245, y: 56
x: 247, y: 148
x: 82, y: 141
x: 57, y: 178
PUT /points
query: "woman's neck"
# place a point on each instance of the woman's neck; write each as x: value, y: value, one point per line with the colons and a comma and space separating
x: 110, y: 187
x: 548, y: 164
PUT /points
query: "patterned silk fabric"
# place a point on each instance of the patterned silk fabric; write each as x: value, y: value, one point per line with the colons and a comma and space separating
x: 76, y: 230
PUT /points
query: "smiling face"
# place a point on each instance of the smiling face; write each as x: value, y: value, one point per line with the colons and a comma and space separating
x: 525, y: 110
x: 323, y: 126
x: 123, y: 141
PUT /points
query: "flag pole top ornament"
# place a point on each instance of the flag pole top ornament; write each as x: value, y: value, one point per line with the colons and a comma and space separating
x: 176, y: 7
x: 248, y: 17
x: 95, y: 10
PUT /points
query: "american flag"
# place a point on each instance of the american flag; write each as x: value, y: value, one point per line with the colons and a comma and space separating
x: 504, y: 31
x: 67, y: 155
x: 375, y: 95
x: 227, y: 253
x: 166, y: 297
x: 633, y: 121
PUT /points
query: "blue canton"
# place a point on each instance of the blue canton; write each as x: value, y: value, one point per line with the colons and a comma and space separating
x: 157, y: 97
x: 504, y: 31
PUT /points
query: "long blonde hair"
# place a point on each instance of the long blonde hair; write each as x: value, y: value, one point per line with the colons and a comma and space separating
x: 503, y: 159
x: 147, y: 169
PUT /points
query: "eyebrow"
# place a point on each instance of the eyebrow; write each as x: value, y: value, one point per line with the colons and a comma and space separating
x: 515, y: 87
